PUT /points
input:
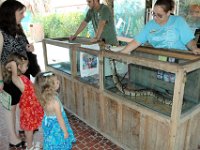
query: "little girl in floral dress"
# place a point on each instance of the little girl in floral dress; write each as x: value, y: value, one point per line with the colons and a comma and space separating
x: 31, y: 112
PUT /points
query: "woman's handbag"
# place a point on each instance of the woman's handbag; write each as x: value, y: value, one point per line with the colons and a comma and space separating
x: 6, y: 100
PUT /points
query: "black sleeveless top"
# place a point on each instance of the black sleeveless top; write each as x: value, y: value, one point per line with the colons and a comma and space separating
x: 13, y: 44
x: 10, y: 45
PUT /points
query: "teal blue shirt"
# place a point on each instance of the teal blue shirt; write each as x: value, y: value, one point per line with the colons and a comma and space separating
x: 175, y: 34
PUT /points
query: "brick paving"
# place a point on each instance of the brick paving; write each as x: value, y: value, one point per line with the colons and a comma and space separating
x: 87, y: 138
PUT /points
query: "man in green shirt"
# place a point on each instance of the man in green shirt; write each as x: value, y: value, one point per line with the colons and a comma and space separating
x: 102, y: 21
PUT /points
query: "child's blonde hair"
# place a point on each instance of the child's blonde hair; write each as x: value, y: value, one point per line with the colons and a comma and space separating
x: 19, y: 59
x: 44, y: 87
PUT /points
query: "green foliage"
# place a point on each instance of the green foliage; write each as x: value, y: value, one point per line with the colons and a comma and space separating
x: 60, y: 25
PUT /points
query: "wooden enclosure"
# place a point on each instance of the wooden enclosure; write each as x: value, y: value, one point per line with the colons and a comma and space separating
x: 128, y: 123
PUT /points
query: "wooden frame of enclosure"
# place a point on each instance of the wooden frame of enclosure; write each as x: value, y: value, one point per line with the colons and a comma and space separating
x: 126, y: 123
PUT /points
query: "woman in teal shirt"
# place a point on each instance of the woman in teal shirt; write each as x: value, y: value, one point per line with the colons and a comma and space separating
x: 165, y: 31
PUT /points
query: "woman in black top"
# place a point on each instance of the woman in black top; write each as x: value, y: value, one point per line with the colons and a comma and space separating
x: 13, y: 39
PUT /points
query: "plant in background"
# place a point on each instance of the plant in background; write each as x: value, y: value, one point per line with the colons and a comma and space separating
x: 60, y: 25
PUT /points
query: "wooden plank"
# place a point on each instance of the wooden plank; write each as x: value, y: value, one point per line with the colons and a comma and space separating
x: 102, y: 112
x: 87, y: 98
x: 101, y: 72
x: 91, y: 106
x: 188, y: 136
x: 70, y: 100
x: 143, y: 110
x: 96, y: 110
x: 187, y: 55
x: 120, y: 117
x: 155, y: 64
x: 73, y: 54
x: 79, y: 99
x: 142, y: 145
x: 111, y: 111
x: 156, y: 134
x: 162, y: 136
x: 65, y: 44
x: 192, y: 65
x: 130, y: 127
x: 89, y: 51
x: 194, y: 133
x: 181, y: 136
x: 176, y: 107
x: 45, y: 53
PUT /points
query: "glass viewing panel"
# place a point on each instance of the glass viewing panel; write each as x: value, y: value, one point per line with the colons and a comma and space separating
x: 150, y: 87
x: 129, y: 19
x: 146, y: 86
x: 192, y: 90
x: 59, y: 58
x: 88, y: 68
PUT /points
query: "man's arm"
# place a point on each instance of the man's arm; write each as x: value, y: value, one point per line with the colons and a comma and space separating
x: 79, y: 30
x: 100, y: 29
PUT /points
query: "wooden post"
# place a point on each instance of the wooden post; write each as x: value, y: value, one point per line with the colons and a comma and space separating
x: 101, y: 85
x: 176, y: 107
x: 44, y: 53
